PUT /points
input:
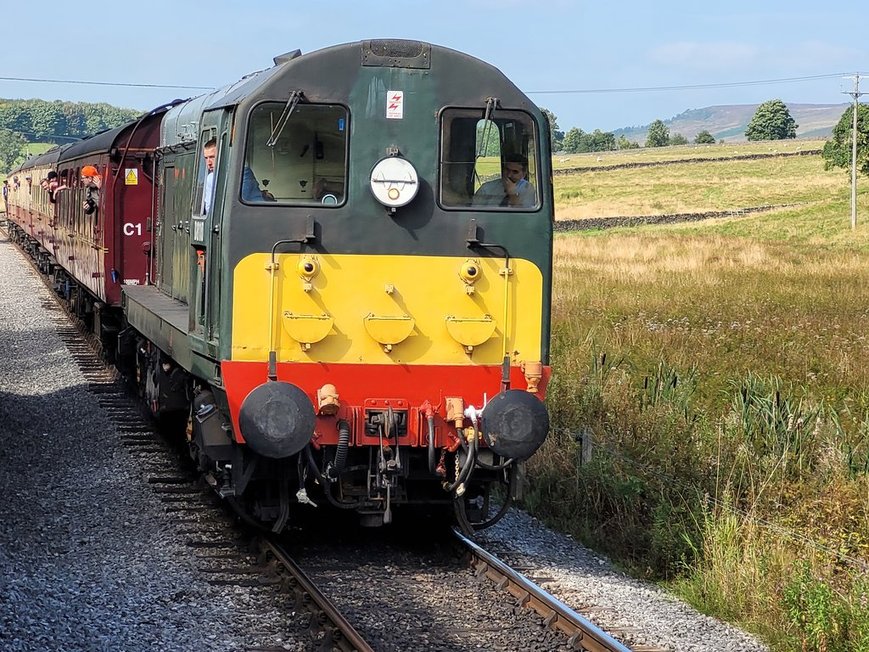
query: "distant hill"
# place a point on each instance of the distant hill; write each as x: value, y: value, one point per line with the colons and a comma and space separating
x: 730, y: 121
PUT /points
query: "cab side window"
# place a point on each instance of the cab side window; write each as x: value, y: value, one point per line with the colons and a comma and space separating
x: 203, y: 193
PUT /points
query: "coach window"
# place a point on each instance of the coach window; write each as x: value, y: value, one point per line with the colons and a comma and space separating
x: 476, y: 151
x: 62, y: 196
x: 78, y: 209
x: 297, y: 156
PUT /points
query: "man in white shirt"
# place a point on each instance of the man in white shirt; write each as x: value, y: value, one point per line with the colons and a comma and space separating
x: 512, y: 189
x: 209, y: 151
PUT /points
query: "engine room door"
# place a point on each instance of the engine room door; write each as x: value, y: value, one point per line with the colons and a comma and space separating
x: 166, y: 232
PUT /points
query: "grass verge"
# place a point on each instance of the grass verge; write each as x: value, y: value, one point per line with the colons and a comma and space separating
x: 721, y: 373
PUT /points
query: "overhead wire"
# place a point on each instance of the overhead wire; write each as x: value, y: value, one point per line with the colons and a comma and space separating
x: 553, y: 91
x: 40, y: 80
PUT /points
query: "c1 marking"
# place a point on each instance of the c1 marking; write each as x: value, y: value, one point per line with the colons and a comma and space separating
x: 132, y: 229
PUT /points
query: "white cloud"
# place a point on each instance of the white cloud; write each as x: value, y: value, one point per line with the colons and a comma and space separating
x: 735, y: 56
x: 715, y: 55
x: 821, y: 54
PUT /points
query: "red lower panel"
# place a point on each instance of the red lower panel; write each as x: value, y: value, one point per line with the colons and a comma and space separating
x: 364, y: 387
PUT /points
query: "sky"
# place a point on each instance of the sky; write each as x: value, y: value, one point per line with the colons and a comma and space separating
x: 574, y: 57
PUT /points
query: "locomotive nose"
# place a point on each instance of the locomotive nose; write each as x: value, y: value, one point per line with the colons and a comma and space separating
x: 515, y: 423
x: 276, y: 419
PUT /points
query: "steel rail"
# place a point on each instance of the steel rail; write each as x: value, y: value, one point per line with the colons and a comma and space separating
x: 582, y: 633
x: 350, y: 636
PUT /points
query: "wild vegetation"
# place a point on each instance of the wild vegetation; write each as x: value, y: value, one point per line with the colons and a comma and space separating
x: 719, y: 373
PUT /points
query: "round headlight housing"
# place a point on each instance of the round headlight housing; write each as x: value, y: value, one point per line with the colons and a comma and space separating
x: 394, y: 182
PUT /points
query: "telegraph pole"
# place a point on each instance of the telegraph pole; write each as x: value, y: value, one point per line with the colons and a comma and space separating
x: 856, y: 95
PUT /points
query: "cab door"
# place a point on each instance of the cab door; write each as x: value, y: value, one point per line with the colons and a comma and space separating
x: 167, y: 228
x: 205, y: 240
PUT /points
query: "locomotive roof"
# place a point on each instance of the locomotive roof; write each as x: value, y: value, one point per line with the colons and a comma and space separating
x: 329, y: 74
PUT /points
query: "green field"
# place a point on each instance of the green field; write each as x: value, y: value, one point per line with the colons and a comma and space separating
x: 35, y: 149
x: 721, y: 369
x: 679, y: 152
x: 697, y: 187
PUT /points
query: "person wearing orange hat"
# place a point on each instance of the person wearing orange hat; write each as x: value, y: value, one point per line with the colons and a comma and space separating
x: 90, y: 174
x: 92, y: 181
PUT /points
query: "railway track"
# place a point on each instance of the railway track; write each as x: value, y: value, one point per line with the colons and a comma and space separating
x: 341, y: 634
x: 582, y: 633
x: 419, y: 589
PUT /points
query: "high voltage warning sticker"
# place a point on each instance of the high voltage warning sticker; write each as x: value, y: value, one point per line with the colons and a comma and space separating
x: 131, y: 177
x: 395, y: 105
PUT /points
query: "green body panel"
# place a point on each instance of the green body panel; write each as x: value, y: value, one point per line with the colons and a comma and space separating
x: 372, y: 134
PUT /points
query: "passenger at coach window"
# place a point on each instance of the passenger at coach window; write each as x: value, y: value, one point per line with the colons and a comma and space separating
x: 92, y: 181
x: 58, y: 184
x: 44, y: 184
x: 512, y: 189
x: 6, y: 194
x: 51, y: 185
x: 92, y: 175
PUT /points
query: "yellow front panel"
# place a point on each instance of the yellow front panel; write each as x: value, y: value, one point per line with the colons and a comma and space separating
x: 385, y: 309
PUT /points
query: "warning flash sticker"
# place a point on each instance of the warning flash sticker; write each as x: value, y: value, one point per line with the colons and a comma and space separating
x: 395, y: 105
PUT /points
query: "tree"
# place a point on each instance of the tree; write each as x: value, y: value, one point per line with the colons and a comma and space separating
x: 39, y: 120
x: 704, y: 138
x: 15, y: 117
x: 659, y: 135
x: 601, y: 141
x: 573, y: 140
x: 488, y: 139
x: 771, y: 121
x: 555, y: 135
x: 47, y: 120
x: 624, y: 143
x: 837, y: 150
x: 678, y: 139
x: 11, y: 145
